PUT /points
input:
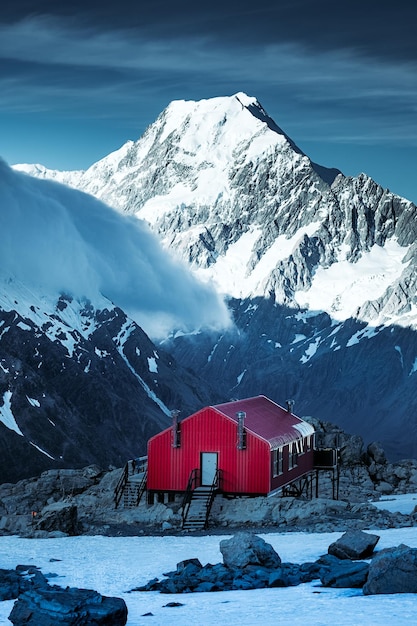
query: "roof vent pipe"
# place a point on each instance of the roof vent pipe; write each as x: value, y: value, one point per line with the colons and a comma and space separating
x: 241, y: 439
x: 290, y: 405
x: 175, y: 429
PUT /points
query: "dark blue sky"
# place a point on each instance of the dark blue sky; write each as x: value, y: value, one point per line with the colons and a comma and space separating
x: 77, y: 81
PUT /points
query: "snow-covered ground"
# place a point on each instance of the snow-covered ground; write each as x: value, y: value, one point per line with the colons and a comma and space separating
x: 114, y: 565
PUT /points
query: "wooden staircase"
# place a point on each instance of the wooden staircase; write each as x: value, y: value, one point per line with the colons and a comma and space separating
x: 132, y: 483
x: 198, y: 501
x: 198, y: 510
x: 134, y: 489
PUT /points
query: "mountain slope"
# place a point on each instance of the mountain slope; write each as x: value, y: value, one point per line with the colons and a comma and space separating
x: 319, y: 268
x: 80, y: 382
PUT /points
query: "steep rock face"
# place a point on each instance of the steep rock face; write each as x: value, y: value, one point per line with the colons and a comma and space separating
x: 359, y: 377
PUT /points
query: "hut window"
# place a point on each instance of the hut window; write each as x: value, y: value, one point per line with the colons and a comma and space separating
x: 278, y: 462
x: 292, y: 455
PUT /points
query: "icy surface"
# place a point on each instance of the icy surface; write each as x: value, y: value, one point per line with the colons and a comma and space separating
x: 113, y: 566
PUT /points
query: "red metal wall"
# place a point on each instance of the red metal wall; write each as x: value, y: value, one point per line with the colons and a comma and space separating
x: 305, y: 464
x: 243, y: 471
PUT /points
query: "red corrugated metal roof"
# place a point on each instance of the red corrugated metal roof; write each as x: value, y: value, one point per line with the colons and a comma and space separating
x: 268, y: 420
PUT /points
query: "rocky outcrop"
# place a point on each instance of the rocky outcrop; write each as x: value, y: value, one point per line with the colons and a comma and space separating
x: 393, y: 570
x: 342, y: 574
x: 40, y: 604
x: 244, y: 549
x: 54, y: 606
x: 386, y: 573
x: 82, y: 501
x: 59, y: 516
x: 24, y: 578
x: 248, y: 563
x: 354, y: 545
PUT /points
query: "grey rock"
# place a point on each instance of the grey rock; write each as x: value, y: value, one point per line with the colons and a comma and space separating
x: 24, y: 577
x: 354, y: 544
x: 60, y: 516
x: 345, y: 574
x: 376, y: 452
x: 9, y: 584
x: 393, y: 570
x: 248, y: 549
x: 54, y: 606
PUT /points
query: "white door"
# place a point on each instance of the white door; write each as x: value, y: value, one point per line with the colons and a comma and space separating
x: 208, y: 467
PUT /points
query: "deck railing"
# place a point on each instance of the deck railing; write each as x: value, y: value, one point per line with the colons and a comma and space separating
x: 134, y: 466
x: 194, y: 481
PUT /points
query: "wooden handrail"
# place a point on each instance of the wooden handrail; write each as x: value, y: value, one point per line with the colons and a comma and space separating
x: 134, y: 466
x: 142, y: 487
x: 215, y: 486
x: 118, y: 492
x: 193, y: 482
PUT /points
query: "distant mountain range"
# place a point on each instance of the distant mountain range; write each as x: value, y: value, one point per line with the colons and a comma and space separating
x: 318, y: 269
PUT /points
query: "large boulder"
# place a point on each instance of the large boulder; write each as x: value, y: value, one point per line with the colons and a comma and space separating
x: 59, y: 516
x: 342, y: 573
x: 377, y: 452
x: 55, y: 606
x: 393, y: 570
x: 248, y: 549
x: 13, y: 582
x: 9, y: 584
x: 354, y: 544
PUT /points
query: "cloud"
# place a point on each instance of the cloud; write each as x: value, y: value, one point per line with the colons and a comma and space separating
x: 108, y: 72
x: 58, y: 240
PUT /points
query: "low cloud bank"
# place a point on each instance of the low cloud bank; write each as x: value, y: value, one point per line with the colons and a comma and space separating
x: 58, y: 240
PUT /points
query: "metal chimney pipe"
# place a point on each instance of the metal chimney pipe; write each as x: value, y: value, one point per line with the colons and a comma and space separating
x: 175, y: 429
x: 290, y: 405
x: 241, y: 415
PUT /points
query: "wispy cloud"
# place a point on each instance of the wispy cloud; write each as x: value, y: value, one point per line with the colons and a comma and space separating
x: 55, y: 239
x: 70, y: 66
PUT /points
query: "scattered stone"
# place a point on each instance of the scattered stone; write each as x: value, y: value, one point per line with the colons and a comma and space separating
x: 59, y: 516
x: 393, y: 570
x: 376, y: 452
x: 55, y: 606
x: 14, y: 582
x: 354, y: 544
x: 248, y: 549
x: 344, y: 573
x: 9, y: 584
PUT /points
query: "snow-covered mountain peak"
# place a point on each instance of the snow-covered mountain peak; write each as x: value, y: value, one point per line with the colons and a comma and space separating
x: 226, y: 189
x: 218, y: 128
